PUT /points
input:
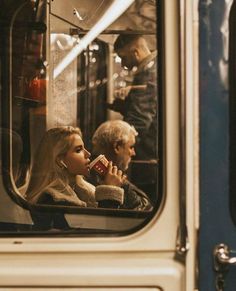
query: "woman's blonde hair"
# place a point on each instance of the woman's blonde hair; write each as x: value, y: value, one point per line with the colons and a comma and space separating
x: 47, y: 171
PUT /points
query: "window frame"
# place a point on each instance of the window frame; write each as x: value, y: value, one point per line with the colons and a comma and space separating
x: 7, y: 158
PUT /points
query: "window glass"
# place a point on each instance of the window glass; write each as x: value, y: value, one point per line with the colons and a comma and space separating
x: 28, y: 84
x: 83, y: 83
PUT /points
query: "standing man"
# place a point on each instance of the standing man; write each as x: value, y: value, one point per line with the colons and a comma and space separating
x: 138, y: 102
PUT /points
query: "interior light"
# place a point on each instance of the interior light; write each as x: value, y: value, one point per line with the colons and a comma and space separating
x: 117, y: 59
x: 111, y: 14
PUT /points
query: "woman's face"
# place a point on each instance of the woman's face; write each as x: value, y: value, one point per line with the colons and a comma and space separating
x: 77, y: 158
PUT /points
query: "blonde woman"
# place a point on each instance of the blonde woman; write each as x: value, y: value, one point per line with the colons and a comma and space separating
x: 60, y: 164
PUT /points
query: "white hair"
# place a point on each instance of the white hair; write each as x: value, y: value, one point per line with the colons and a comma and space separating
x: 111, y: 132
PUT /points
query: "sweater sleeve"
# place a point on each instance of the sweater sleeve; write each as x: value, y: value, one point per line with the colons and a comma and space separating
x: 108, y: 192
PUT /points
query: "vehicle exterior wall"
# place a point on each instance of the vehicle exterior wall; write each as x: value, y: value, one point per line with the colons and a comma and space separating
x: 215, y: 222
x: 145, y: 259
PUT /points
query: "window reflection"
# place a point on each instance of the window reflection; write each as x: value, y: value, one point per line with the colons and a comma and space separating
x: 29, y: 70
x: 62, y: 103
x: 59, y: 80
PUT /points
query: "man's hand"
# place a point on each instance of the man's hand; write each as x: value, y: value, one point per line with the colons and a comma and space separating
x: 122, y: 93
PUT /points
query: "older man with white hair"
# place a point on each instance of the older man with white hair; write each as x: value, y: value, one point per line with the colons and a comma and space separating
x: 116, y: 140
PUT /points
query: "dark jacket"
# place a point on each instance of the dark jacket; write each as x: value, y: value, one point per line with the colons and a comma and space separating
x: 140, y: 108
x: 134, y: 198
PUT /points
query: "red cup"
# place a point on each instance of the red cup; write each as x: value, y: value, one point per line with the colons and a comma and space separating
x: 99, y: 165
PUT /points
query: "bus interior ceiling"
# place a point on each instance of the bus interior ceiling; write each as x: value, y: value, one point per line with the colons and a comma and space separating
x: 139, y: 18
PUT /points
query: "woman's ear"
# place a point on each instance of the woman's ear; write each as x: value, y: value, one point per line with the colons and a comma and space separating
x: 61, y: 163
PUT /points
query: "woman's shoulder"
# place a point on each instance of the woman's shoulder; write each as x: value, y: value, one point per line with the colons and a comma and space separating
x: 85, y: 191
x: 53, y: 196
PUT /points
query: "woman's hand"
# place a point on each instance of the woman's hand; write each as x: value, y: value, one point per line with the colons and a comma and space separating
x: 114, y: 176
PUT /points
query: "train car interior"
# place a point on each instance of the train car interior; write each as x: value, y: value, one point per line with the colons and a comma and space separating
x: 60, y: 69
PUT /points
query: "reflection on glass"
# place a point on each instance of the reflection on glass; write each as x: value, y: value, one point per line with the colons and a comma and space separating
x: 110, y: 15
x: 84, y: 75
x: 29, y: 82
x: 64, y: 89
x: 112, y: 83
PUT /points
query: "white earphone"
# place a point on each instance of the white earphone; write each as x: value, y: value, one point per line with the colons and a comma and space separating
x: 63, y: 164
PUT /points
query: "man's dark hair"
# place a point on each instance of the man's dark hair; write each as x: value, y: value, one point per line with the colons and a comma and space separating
x: 125, y: 39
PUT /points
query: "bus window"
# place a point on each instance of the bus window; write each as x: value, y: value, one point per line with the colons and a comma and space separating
x: 72, y: 65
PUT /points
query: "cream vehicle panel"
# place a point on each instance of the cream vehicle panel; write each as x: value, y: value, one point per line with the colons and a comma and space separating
x: 153, y: 257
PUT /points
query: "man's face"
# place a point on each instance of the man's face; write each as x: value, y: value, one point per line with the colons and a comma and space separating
x: 128, y: 59
x: 124, y: 153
